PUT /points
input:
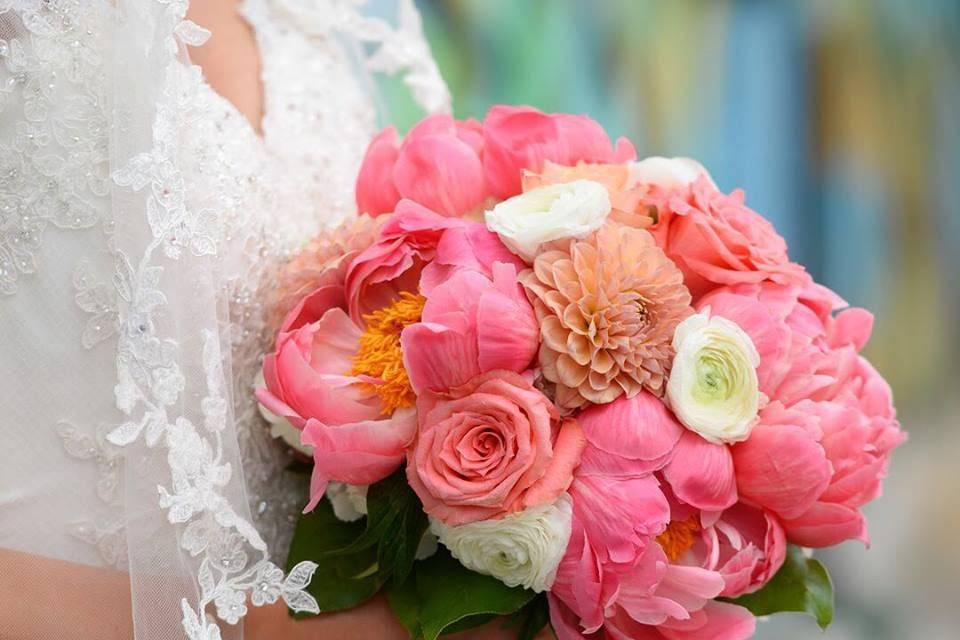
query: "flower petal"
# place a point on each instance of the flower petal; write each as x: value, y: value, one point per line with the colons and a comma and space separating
x: 362, y: 452
x: 375, y: 191
x: 781, y: 467
x: 639, y: 428
x: 701, y: 473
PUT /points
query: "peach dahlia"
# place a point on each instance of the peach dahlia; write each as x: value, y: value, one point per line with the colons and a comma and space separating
x: 607, y: 305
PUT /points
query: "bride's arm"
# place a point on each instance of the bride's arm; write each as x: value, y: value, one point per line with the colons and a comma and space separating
x: 42, y: 598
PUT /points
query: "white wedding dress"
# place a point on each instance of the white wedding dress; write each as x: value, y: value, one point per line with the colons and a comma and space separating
x: 141, y: 218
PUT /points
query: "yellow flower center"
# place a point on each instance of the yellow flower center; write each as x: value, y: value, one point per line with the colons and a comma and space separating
x: 678, y: 537
x: 380, y: 356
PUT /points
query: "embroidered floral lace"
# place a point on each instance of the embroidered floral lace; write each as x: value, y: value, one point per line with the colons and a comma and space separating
x: 140, y: 219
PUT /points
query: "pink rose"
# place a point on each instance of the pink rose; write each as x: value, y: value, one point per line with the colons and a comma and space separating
x: 716, y: 240
x: 522, y: 138
x: 309, y: 384
x: 438, y: 165
x: 493, y: 446
x: 821, y: 448
x: 472, y: 323
x: 416, y: 250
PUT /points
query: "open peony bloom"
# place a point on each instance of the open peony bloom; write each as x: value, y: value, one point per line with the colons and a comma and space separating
x: 552, y: 212
x: 438, y: 165
x: 310, y: 382
x: 713, y: 386
x: 716, y: 240
x: 489, y: 448
x: 821, y: 450
x: 472, y: 323
x: 405, y: 246
x: 744, y: 544
x: 641, y: 563
x: 518, y: 139
x: 416, y: 250
x: 329, y: 251
x: 608, y: 306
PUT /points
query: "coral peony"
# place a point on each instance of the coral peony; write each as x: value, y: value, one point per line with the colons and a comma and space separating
x: 471, y: 323
x: 329, y: 251
x: 416, y: 250
x: 522, y: 138
x: 642, y: 563
x: 744, y: 544
x: 608, y: 306
x: 491, y: 447
x: 716, y: 240
x: 438, y: 165
x: 821, y: 449
x: 310, y: 383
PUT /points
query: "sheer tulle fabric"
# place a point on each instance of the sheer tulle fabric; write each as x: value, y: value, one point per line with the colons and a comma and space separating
x: 138, y: 215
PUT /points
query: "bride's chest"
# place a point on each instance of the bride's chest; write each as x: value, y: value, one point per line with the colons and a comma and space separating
x: 265, y: 194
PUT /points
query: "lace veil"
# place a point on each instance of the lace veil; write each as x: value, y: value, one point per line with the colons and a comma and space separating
x: 98, y: 139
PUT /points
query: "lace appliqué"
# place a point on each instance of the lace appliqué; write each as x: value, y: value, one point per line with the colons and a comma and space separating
x: 232, y: 557
x: 99, y: 301
x: 107, y: 534
x: 55, y: 170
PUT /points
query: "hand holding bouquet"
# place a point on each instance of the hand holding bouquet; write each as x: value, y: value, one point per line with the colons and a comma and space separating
x: 600, y: 383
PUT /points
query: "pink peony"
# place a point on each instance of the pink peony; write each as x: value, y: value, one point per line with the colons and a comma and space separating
x: 822, y: 447
x: 472, y: 323
x: 309, y: 383
x: 493, y: 446
x: 744, y: 544
x: 632, y: 437
x: 416, y: 250
x: 716, y: 240
x: 629, y: 571
x: 438, y: 165
x: 516, y: 139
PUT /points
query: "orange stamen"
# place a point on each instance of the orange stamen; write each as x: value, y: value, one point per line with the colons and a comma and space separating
x: 379, y: 355
x: 678, y: 537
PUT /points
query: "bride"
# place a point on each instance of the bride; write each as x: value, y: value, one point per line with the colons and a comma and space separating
x: 157, y: 163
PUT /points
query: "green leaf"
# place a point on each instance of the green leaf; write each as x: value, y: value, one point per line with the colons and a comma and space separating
x: 442, y: 595
x: 395, y: 525
x: 801, y: 585
x: 342, y: 580
x: 405, y: 603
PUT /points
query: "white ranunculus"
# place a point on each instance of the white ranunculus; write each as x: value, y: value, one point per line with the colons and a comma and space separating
x: 349, y: 501
x: 667, y: 172
x: 713, y: 386
x: 568, y: 210
x: 522, y: 548
x: 280, y: 427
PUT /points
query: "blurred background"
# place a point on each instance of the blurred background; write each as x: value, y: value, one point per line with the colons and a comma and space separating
x: 841, y: 120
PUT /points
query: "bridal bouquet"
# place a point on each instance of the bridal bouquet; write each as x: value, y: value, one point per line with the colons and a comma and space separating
x: 599, y: 383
